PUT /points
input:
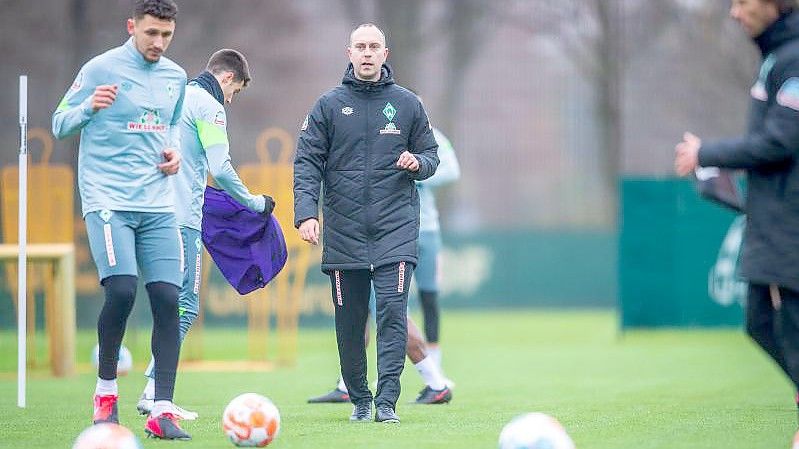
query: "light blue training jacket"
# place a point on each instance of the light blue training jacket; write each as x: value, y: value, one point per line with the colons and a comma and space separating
x: 121, y: 146
x: 448, y: 171
x: 205, y: 150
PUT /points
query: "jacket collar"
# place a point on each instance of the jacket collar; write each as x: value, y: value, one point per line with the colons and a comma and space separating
x: 386, y: 79
x: 784, y: 29
x: 134, y: 53
x: 208, y: 81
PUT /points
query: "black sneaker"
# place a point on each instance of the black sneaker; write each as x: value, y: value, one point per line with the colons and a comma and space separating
x: 361, y: 412
x: 334, y: 396
x: 386, y: 414
x: 430, y: 396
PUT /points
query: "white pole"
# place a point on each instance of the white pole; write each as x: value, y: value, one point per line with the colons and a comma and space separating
x: 22, y: 303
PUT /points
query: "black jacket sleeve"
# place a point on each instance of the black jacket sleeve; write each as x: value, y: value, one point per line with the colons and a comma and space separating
x: 423, y: 145
x: 309, y: 164
x: 777, y: 140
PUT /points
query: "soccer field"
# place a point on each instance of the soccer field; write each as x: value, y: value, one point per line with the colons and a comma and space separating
x: 664, y: 389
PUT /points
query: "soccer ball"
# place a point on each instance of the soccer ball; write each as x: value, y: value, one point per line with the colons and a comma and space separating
x: 251, y: 420
x: 125, y: 359
x: 534, y: 431
x: 106, y: 436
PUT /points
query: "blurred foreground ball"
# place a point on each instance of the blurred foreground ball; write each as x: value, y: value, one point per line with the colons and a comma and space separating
x: 106, y: 436
x: 534, y: 431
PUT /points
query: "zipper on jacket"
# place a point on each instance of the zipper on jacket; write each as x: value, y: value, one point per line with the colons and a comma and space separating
x: 368, y: 190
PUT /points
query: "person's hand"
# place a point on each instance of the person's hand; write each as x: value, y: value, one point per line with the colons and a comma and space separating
x: 269, y: 205
x: 309, y: 231
x: 407, y: 161
x: 103, y: 96
x: 172, y: 164
x: 687, y: 154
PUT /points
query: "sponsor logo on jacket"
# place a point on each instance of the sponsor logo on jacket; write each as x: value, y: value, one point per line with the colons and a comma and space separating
x: 149, y: 122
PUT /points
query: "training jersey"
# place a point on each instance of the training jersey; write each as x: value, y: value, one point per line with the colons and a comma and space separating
x: 121, y: 146
x: 448, y: 171
x: 205, y: 150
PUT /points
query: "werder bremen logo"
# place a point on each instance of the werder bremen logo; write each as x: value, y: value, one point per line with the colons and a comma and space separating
x: 389, y: 111
x: 150, y: 117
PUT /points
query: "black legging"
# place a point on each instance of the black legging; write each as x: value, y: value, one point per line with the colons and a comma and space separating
x: 429, y: 301
x: 775, y: 331
x: 120, y: 294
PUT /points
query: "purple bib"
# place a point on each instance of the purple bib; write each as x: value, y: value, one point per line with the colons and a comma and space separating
x: 248, y: 248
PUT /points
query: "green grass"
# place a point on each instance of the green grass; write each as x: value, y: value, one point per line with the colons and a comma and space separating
x: 664, y: 389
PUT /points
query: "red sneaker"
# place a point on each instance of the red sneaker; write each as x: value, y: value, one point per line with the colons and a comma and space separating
x: 105, y: 409
x: 165, y: 426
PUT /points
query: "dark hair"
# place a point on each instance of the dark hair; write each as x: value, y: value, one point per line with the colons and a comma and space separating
x: 785, y: 6
x: 228, y: 60
x: 160, y: 9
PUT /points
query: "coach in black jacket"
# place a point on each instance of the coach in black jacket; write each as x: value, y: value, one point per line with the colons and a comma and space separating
x: 769, y: 153
x: 366, y: 142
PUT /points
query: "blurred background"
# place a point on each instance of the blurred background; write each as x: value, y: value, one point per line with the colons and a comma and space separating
x: 563, y: 114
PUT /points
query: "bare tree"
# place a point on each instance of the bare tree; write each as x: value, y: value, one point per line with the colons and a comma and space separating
x: 595, y: 36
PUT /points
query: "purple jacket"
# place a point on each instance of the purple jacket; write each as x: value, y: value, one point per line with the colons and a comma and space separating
x: 248, y: 248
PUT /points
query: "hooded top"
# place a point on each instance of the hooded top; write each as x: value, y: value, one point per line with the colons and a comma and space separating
x: 768, y: 153
x: 346, y: 156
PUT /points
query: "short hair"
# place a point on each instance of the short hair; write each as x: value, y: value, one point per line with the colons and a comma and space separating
x: 160, y: 9
x: 785, y: 6
x: 365, y: 25
x: 229, y: 60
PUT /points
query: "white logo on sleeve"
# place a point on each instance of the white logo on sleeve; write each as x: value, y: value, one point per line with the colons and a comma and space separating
x: 788, y: 95
x: 219, y: 118
x: 305, y: 123
x: 347, y: 110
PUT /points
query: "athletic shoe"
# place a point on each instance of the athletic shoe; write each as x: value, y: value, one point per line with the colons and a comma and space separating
x: 334, y: 396
x: 145, y: 406
x: 431, y: 396
x: 361, y: 412
x: 105, y: 409
x: 165, y: 427
x: 386, y: 414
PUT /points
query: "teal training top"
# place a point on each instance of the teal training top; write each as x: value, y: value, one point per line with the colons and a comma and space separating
x: 448, y: 171
x: 121, y: 146
x: 205, y: 150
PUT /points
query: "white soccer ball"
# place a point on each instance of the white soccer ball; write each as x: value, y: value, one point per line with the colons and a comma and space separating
x: 125, y: 359
x: 251, y: 420
x: 106, y: 436
x: 534, y: 431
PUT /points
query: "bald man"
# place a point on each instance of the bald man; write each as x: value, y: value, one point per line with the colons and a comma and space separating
x: 367, y: 141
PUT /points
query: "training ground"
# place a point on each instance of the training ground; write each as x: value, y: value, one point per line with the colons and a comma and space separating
x: 636, y: 390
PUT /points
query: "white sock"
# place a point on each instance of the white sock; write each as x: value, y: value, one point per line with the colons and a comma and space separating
x: 341, y: 386
x: 161, y: 407
x: 149, y: 389
x: 106, y: 387
x: 435, y: 354
x: 431, y: 374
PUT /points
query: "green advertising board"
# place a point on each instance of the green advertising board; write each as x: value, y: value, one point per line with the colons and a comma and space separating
x: 674, y: 269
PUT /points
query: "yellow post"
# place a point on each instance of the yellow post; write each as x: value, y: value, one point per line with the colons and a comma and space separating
x: 62, y: 303
x: 50, y: 220
x: 275, y: 176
